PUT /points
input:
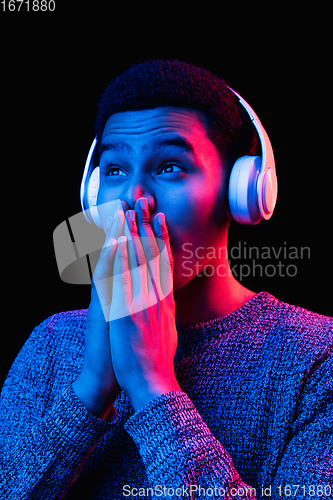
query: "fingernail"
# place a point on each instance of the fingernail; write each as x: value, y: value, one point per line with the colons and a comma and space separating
x: 144, y: 203
x: 122, y: 240
x: 116, y: 214
x: 161, y: 219
x: 111, y: 243
x: 131, y: 214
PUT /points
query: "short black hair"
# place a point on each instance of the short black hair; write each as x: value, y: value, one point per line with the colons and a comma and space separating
x: 158, y: 83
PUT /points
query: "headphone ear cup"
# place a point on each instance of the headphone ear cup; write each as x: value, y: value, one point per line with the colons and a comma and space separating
x: 243, y: 198
x: 92, y: 192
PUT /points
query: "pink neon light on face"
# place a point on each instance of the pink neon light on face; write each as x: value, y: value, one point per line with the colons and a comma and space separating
x: 164, y: 155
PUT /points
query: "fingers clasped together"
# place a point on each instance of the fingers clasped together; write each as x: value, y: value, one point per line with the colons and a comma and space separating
x: 131, y: 336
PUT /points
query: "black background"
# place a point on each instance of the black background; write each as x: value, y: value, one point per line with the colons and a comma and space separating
x: 54, y: 68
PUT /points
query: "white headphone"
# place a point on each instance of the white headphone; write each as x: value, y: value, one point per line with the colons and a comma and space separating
x: 252, y: 182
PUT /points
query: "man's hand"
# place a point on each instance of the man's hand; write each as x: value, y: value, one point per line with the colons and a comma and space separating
x: 144, y: 340
x: 131, y: 336
x: 97, y: 386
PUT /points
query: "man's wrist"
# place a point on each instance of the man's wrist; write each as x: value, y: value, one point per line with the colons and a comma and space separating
x: 139, y: 398
x: 96, y: 403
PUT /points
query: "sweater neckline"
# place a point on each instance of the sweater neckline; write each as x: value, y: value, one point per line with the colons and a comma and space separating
x: 244, y: 314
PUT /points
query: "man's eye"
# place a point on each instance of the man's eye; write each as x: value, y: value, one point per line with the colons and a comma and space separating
x: 114, y: 171
x: 170, y: 168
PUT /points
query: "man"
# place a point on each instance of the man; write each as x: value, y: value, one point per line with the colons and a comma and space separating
x: 208, y: 390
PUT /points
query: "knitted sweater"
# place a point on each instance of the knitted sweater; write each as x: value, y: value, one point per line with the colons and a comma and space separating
x: 254, y: 418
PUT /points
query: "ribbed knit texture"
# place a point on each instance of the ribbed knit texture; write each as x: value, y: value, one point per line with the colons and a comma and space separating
x: 255, y: 411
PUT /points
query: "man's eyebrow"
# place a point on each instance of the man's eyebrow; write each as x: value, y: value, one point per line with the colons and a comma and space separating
x: 113, y: 146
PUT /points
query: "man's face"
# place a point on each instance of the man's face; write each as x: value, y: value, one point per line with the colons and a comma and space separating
x: 164, y: 155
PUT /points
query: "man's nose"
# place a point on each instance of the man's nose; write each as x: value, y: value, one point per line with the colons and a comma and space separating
x: 129, y: 198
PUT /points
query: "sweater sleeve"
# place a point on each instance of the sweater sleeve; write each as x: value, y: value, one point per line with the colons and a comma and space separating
x: 46, y: 432
x: 180, y: 452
